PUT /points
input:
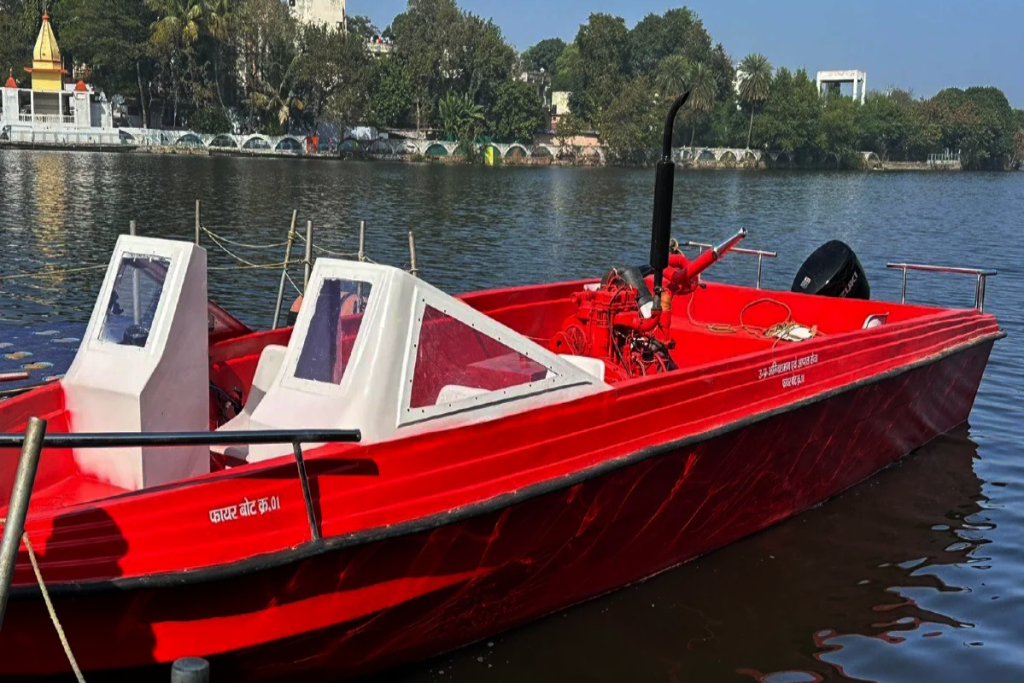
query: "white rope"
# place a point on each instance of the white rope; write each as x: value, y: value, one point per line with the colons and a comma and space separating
x: 50, y: 274
x: 221, y: 238
x: 49, y: 606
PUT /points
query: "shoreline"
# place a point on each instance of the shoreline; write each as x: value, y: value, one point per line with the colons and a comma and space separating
x: 172, y: 150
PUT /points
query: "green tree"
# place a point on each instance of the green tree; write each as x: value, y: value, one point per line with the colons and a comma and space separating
x: 602, y: 49
x: 791, y: 119
x: 673, y: 75
x: 544, y: 55
x: 391, y: 99
x: 460, y: 117
x: 885, y: 126
x: 703, y: 91
x: 755, y: 84
x: 112, y: 38
x: 678, y: 31
x: 631, y: 124
x: 568, y: 70
x: 176, y: 30
x: 839, y: 126
x: 333, y: 72
x: 266, y: 39
x: 360, y: 26
x: 518, y: 112
x: 568, y: 129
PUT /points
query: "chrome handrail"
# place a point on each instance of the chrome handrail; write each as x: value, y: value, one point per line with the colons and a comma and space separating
x: 979, y: 289
x: 761, y: 255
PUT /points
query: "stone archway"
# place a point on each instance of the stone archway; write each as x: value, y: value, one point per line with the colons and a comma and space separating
x: 289, y: 145
x: 517, y: 153
x: 256, y: 142
x: 189, y: 140
x: 223, y: 141
x: 436, y: 150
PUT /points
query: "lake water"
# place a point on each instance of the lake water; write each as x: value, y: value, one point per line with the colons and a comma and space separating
x: 915, y: 575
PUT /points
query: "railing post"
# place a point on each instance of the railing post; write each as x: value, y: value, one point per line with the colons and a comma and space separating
x: 760, y: 260
x: 903, y: 293
x: 314, y: 529
x: 14, y: 528
x: 977, y: 294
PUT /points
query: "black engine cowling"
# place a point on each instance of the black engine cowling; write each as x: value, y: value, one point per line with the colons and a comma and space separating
x: 833, y: 270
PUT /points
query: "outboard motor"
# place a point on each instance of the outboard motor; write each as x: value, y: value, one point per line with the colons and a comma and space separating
x: 833, y: 270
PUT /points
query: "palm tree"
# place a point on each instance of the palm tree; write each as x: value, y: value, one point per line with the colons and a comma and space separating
x: 176, y: 29
x: 672, y: 75
x: 703, y: 88
x: 459, y: 114
x: 218, y: 22
x: 755, y: 82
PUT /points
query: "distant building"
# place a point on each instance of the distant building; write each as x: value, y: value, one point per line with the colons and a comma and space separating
x: 836, y: 79
x: 325, y: 12
x: 559, y: 106
x: 53, y: 111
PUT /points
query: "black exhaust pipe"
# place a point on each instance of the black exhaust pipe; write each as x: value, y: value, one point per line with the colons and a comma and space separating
x: 664, y: 183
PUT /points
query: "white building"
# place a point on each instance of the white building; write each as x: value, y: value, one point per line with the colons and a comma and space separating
x: 854, y: 76
x: 52, y: 111
x: 328, y: 12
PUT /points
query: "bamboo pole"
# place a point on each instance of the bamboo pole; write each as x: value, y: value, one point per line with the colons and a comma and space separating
x: 14, y: 527
x: 284, y: 271
x: 309, y: 255
x: 412, y: 254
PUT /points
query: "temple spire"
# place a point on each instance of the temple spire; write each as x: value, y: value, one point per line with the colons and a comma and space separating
x: 47, y: 65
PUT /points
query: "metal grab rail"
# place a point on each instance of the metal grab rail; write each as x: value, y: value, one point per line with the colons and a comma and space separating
x: 296, y: 437
x: 761, y: 255
x: 979, y: 289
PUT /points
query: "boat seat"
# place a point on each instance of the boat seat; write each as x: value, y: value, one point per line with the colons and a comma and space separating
x: 592, y: 366
x: 266, y: 372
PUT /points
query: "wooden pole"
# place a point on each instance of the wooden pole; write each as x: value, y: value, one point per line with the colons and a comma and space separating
x: 14, y: 528
x: 197, y: 222
x: 309, y: 254
x: 284, y: 271
x: 362, y: 241
x: 412, y: 254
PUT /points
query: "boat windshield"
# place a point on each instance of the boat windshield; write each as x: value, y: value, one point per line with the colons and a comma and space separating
x: 133, y: 302
x: 333, y: 330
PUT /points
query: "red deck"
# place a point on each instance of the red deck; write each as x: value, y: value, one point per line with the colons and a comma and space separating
x: 439, y: 539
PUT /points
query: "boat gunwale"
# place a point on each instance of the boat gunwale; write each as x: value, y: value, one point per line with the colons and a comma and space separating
x: 311, y: 549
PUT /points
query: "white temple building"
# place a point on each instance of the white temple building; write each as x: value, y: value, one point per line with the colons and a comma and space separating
x: 52, y: 111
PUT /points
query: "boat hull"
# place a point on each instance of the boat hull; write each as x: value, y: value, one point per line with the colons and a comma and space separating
x: 397, y: 595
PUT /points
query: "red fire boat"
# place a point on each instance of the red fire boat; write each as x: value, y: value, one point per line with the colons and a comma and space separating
x: 405, y: 472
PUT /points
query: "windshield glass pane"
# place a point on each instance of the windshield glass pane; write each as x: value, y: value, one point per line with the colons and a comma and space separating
x: 133, y: 302
x: 333, y: 330
x: 456, y: 362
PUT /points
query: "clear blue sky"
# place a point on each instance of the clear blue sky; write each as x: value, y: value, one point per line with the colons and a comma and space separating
x: 924, y: 45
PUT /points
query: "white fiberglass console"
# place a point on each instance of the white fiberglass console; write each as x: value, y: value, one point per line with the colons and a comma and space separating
x: 143, y: 365
x: 379, y: 350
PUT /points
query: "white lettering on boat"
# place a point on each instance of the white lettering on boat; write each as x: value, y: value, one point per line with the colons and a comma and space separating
x: 247, y: 508
x: 787, y: 367
x: 794, y: 381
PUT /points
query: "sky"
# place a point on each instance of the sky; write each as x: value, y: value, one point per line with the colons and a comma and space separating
x: 922, y: 45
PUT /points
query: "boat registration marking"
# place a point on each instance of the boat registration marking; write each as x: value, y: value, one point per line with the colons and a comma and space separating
x: 777, y: 368
x: 794, y: 381
x: 247, y: 508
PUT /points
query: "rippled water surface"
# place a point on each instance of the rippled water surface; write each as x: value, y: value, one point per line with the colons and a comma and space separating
x: 916, y: 575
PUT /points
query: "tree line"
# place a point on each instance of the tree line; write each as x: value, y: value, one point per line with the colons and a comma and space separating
x: 248, y: 66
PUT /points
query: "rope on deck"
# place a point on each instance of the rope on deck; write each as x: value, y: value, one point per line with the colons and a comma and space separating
x: 49, y: 605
